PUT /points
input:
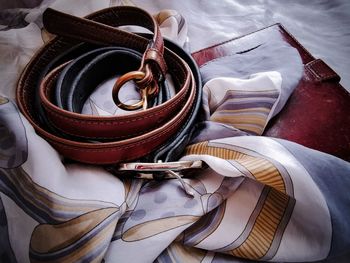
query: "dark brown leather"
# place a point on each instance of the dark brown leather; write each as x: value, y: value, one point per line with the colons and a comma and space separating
x: 317, y: 114
x: 134, y: 135
x: 92, y: 32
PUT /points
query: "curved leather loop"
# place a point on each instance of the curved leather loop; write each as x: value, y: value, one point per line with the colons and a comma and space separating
x: 81, y: 77
x: 62, y: 68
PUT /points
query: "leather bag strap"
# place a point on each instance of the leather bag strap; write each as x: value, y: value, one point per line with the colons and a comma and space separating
x: 159, y: 132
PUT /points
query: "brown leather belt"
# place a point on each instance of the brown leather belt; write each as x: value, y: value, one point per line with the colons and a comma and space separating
x: 52, y: 103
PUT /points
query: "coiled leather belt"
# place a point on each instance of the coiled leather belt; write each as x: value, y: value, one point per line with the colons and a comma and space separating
x: 62, y: 75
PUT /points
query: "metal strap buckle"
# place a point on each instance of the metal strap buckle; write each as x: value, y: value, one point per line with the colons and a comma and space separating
x: 162, y: 170
x: 160, y: 167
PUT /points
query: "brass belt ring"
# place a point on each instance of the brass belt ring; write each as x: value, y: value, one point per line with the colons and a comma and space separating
x: 132, y: 75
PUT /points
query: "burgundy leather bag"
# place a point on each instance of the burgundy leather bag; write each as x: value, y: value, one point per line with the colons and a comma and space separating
x: 317, y: 114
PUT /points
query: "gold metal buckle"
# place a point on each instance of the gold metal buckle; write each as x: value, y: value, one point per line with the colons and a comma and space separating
x: 140, y: 77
